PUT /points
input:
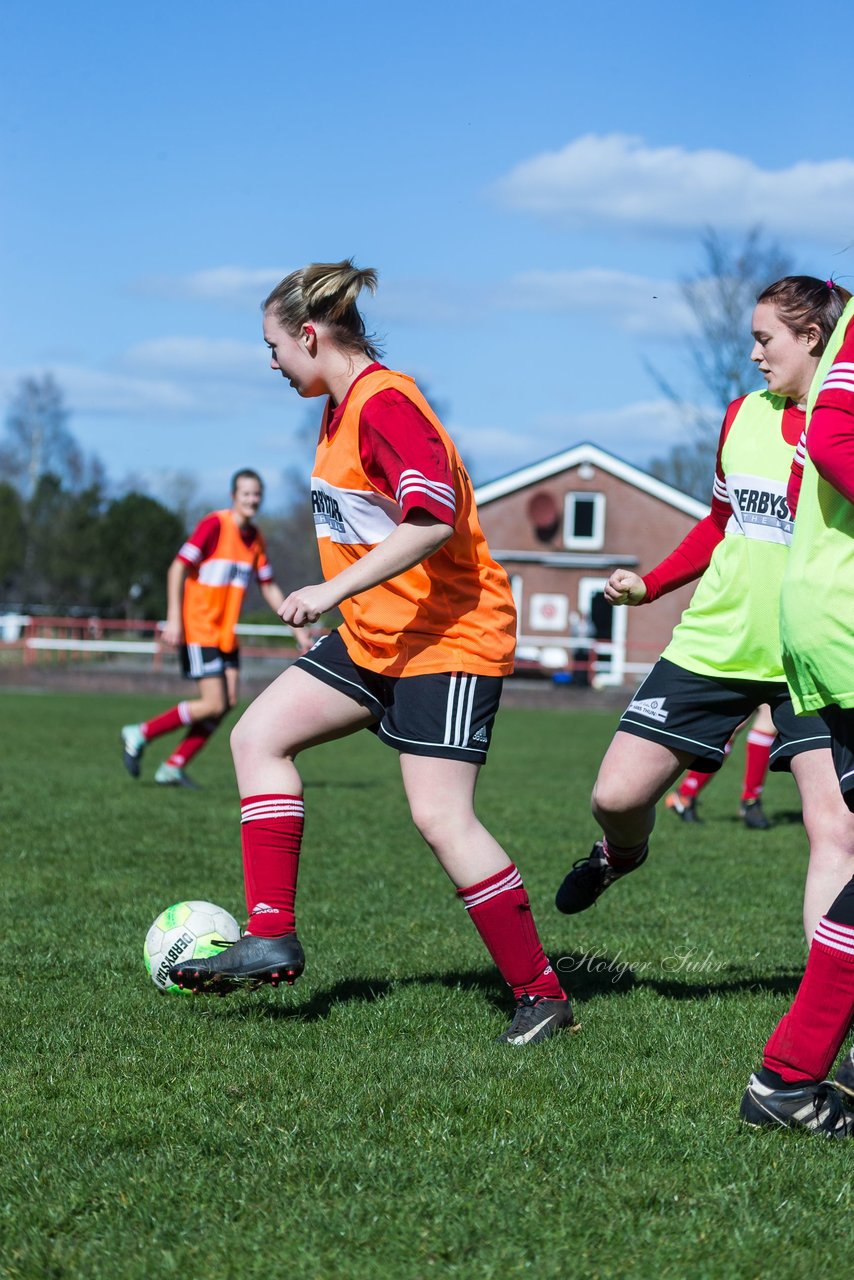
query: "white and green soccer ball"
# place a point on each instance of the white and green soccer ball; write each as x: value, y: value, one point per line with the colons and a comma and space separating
x: 187, y: 931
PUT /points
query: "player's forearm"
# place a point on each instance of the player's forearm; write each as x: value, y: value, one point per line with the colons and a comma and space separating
x: 410, y: 544
x: 175, y: 579
x: 273, y: 595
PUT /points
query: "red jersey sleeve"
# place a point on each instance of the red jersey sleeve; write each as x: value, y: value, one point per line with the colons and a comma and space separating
x: 201, y: 543
x: 694, y: 553
x: 405, y: 457
x: 830, y: 442
x: 796, y: 475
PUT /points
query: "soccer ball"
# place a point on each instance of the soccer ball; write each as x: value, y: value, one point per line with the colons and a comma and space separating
x: 186, y: 931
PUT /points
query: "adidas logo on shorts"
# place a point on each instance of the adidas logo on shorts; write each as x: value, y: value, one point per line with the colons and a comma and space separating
x: 651, y: 708
x: 481, y: 735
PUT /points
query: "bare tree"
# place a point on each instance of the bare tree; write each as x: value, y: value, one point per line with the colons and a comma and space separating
x: 721, y: 297
x: 37, y: 437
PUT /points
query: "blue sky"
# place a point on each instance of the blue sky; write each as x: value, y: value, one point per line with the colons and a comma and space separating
x: 530, y: 182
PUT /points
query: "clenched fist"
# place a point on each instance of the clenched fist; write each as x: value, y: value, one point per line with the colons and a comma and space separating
x: 625, y: 587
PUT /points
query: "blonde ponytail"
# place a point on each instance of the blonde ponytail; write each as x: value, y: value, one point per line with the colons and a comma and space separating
x: 326, y: 292
x: 330, y: 288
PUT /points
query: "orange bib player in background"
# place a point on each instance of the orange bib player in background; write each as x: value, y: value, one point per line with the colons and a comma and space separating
x: 218, y: 578
x: 206, y: 585
x: 428, y: 635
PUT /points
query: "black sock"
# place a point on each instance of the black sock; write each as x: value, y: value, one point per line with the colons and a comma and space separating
x: 772, y: 1080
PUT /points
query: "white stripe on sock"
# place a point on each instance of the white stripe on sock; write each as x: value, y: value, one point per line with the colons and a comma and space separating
x: 512, y: 880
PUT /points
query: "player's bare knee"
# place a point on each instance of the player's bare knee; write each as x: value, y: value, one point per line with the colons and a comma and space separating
x: 605, y: 800
x: 610, y: 800
x: 432, y: 821
x: 832, y: 831
x: 241, y: 741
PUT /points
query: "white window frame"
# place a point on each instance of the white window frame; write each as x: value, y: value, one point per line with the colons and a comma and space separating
x: 596, y: 539
x: 616, y: 647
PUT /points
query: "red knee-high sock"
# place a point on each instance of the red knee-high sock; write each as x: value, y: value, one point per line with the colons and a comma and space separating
x: 808, y: 1038
x: 501, y: 913
x: 758, y: 754
x: 623, y: 857
x: 169, y: 720
x: 271, y: 834
x: 693, y: 783
x: 192, y: 744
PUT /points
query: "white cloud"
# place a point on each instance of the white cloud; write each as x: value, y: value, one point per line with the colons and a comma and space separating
x: 636, y: 432
x: 233, y: 286
x: 210, y: 357
x: 618, y: 179
x: 425, y: 300
x: 635, y: 304
x: 173, y: 377
x: 91, y: 391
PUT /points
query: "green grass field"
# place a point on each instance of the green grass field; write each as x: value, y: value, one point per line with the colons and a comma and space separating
x: 363, y: 1124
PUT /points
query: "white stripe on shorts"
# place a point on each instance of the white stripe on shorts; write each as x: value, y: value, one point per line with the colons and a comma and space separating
x: 458, y: 712
x: 194, y: 660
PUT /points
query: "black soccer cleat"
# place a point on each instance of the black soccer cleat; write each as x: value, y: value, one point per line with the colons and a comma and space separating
x: 815, y: 1107
x: 684, y: 809
x: 250, y: 962
x: 750, y: 811
x: 844, y: 1078
x: 536, y: 1019
x: 588, y: 879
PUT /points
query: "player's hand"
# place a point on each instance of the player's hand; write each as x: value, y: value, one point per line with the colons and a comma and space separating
x: 625, y: 587
x: 172, y: 634
x: 307, y: 604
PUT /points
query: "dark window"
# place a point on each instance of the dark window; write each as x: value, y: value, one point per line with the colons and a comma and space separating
x: 583, y: 517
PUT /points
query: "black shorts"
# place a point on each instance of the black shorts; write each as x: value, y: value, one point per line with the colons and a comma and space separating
x: 448, y: 715
x: 840, y: 722
x: 689, y: 712
x: 200, y: 660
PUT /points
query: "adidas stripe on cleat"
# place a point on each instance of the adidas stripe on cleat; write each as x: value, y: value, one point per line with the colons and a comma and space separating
x: 250, y: 962
x: 536, y: 1019
x: 815, y: 1107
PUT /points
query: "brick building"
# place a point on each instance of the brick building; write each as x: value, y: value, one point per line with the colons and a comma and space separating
x: 560, y: 527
